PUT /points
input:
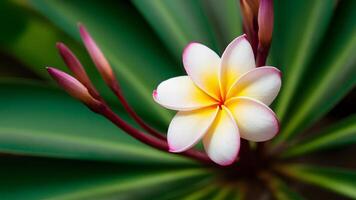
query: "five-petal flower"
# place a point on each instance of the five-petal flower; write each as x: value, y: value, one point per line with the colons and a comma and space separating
x: 221, y: 100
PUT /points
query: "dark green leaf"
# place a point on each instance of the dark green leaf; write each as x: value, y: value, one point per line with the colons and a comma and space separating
x: 25, y: 40
x: 299, y: 28
x: 222, y: 193
x: 61, y: 179
x: 339, y: 134
x: 224, y: 17
x: 177, y: 23
x: 12, y: 25
x: 330, y: 76
x: 203, y: 192
x: 341, y: 181
x: 279, y: 189
x: 36, y: 120
x: 181, y: 191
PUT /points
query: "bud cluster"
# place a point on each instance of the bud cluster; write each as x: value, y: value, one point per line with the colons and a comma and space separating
x: 80, y: 87
x: 258, y: 16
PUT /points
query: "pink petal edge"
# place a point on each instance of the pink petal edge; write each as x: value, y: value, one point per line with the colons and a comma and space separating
x: 184, y: 54
x: 154, y: 95
x: 268, y: 68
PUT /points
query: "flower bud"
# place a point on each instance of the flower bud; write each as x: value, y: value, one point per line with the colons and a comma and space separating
x: 249, y: 9
x: 72, y: 86
x: 76, y: 67
x: 247, y: 16
x: 97, y: 56
x: 254, y: 6
x: 265, y: 22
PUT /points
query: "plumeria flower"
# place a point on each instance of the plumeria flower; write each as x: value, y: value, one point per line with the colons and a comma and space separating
x: 220, y: 100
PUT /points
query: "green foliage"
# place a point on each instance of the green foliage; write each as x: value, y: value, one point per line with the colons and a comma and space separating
x: 297, y: 43
x: 60, y: 179
x: 169, y: 23
x: 50, y: 123
x: 340, y: 134
x: 331, y: 74
x: 76, y: 154
x: 280, y: 189
x: 339, y: 180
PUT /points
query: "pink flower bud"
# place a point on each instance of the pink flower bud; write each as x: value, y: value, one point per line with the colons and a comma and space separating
x: 265, y: 22
x: 247, y: 16
x: 249, y: 9
x: 254, y: 6
x: 76, y: 67
x: 72, y: 86
x: 97, y: 56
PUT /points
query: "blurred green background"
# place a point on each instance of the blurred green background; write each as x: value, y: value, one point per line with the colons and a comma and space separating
x: 52, y: 147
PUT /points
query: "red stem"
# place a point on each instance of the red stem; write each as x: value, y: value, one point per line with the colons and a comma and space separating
x: 146, y: 139
x: 117, y: 91
x: 255, y: 37
x: 261, y: 57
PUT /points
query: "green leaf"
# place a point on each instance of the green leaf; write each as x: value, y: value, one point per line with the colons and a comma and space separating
x: 146, y: 182
x: 62, y: 179
x: 299, y: 28
x: 279, y: 189
x: 26, y: 46
x: 19, y: 38
x: 12, y: 26
x: 339, y: 180
x: 224, y: 192
x: 177, y: 23
x: 135, y: 53
x: 224, y: 17
x: 330, y: 76
x: 182, y: 190
x: 203, y: 192
x: 218, y: 190
x: 339, y: 134
x: 11, y: 68
x: 36, y: 120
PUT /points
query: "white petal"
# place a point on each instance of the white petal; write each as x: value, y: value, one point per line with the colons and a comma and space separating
x: 222, y: 142
x: 262, y: 83
x: 188, y: 127
x: 236, y: 60
x: 202, y: 65
x: 255, y: 120
x: 180, y: 93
